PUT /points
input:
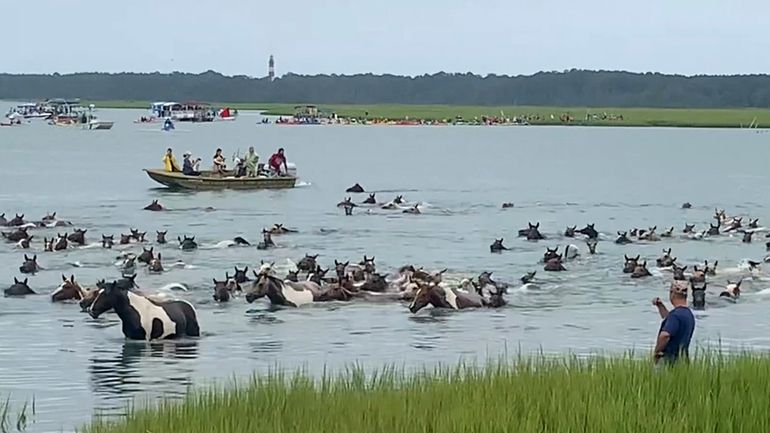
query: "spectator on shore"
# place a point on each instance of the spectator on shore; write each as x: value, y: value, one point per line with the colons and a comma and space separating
x: 675, y: 333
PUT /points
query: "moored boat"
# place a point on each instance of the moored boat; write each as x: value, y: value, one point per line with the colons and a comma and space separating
x: 210, y: 181
x: 70, y: 113
x: 30, y: 111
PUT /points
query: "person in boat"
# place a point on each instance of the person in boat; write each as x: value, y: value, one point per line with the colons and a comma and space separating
x: 219, y: 162
x: 250, y: 160
x: 275, y: 162
x: 188, y: 165
x: 169, y: 162
x: 240, y: 167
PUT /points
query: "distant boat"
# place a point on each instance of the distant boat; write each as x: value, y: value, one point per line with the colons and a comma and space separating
x: 227, y: 114
x: 72, y: 113
x: 30, y: 111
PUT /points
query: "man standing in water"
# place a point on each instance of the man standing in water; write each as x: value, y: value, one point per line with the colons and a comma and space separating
x: 677, y: 328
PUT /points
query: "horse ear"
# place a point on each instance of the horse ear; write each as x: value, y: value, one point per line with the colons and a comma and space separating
x: 63, y: 278
x: 25, y: 281
x: 158, y: 256
x: 15, y: 281
x: 72, y: 279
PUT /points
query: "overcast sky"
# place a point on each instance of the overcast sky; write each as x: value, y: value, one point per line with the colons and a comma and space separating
x: 393, y: 36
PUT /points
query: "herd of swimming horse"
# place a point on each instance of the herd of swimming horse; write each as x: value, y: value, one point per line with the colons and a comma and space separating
x: 148, y: 316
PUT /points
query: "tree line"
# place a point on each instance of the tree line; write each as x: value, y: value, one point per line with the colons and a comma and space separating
x: 567, y: 88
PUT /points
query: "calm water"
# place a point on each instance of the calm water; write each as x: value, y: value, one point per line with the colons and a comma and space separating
x: 617, y: 178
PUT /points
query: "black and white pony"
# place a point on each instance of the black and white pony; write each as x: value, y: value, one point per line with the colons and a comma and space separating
x: 146, y: 319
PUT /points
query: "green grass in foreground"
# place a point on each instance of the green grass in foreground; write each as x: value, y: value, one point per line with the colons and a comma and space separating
x: 674, y: 117
x: 15, y: 419
x: 564, y: 395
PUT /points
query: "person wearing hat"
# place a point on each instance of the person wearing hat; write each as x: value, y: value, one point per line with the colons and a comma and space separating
x: 675, y: 333
x: 188, y: 166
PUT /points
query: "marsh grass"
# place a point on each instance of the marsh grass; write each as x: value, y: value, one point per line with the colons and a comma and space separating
x: 12, y: 419
x: 613, y: 395
x: 673, y: 117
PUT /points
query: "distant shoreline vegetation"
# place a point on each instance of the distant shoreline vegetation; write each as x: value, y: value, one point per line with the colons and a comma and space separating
x: 565, y: 394
x: 534, y: 115
x: 573, y: 88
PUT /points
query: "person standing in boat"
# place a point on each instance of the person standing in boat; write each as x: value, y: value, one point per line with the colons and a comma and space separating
x: 219, y: 162
x: 188, y: 166
x: 276, y: 161
x: 169, y: 162
x: 251, y: 160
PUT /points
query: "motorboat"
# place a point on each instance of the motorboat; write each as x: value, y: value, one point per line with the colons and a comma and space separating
x: 30, y: 111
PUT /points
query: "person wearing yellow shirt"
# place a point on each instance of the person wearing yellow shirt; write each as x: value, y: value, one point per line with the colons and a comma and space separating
x: 169, y: 162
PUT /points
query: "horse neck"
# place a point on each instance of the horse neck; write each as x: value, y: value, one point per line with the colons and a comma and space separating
x: 437, y: 298
x: 275, y: 290
x: 122, y: 307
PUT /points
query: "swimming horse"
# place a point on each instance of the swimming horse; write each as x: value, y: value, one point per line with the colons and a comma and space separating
x: 445, y: 297
x: 146, y: 319
x: 283, y: 293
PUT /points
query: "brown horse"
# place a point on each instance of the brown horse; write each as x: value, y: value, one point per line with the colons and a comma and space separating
x: 68, y: 290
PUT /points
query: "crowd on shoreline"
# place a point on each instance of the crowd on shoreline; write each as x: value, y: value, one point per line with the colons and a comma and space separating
x: 484, y: 120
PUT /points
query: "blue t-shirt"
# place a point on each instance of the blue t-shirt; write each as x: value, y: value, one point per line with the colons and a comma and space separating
x: 680, y: 324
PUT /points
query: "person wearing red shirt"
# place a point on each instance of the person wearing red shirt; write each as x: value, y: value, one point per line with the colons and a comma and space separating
x: 276, y: 161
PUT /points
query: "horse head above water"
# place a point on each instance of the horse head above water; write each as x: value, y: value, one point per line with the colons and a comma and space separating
x: 630, y: 264
x: 68, y: 290
x: 78, y: 237
x: 497, y: 246
x: 108, y: 241
x: 154, y: 206
x: 187, y: 243
x: 589, y: 231
x: 19, y: 288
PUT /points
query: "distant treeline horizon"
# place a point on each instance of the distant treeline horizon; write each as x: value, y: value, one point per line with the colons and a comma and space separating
x: 569, y: 88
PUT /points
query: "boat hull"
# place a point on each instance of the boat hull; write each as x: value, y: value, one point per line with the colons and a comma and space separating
x: 100, y: 125
x: 208, y: 182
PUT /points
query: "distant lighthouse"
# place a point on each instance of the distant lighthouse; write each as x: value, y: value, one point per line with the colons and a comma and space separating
x: 271, y: 68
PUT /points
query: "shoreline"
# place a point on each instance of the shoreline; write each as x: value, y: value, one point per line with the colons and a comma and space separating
x: 714, y: 392
x: 734, y: 118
